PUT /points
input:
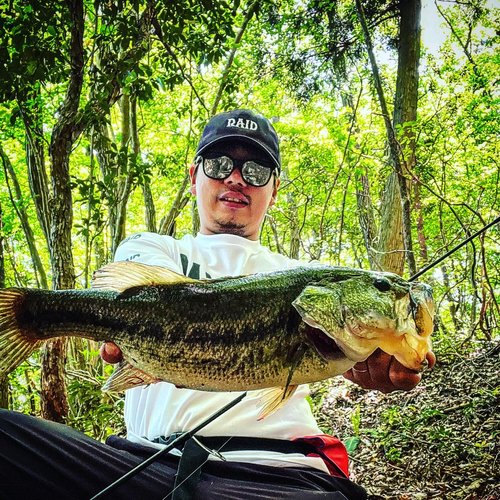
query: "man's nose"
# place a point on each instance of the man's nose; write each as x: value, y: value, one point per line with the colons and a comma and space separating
x: 235, y: 178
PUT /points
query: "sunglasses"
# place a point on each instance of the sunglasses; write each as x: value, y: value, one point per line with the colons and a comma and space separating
x: 221, y: 167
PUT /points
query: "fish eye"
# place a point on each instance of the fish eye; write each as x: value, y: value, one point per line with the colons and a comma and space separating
x: 382, y: 284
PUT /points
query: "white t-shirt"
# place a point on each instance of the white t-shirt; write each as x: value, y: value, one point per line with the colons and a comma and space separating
x: 162, y: 409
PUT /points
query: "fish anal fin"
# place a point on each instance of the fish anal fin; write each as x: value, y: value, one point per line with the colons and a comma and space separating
x: 122, y: 276
x: 126, y: 377
x: 271, y: 400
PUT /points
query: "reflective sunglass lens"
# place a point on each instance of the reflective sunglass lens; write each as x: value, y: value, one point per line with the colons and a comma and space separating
x: 255, y: 174
x: 221, y: 168
x: 218, y: 168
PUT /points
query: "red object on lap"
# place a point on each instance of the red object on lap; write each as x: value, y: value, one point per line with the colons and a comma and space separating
x: 332, y: 451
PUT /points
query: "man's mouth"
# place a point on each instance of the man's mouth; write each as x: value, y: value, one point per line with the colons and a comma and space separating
x: 236, y: 199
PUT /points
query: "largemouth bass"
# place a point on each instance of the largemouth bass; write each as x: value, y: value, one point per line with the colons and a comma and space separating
x: 268, y: 330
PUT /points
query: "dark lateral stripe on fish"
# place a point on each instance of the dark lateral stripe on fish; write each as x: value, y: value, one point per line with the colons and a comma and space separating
x: 237, y: 333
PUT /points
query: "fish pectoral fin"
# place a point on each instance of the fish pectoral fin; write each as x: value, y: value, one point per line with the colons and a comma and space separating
x: 271, y: 400
x: 127, y: 376
x: 122, y: 276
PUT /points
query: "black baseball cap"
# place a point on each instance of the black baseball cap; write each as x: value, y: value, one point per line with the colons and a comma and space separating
x: 243, y: 125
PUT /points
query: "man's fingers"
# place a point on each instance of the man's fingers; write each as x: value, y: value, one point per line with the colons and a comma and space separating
x: 385, y: 373
x: 431, y: 359
x: 359, y: 374
x: 403, y: 378
x: 111, y: 353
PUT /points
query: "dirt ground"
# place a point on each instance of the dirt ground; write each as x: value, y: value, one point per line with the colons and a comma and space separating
x: 438, y: 441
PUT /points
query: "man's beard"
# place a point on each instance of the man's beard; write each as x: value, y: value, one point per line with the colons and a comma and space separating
x: 230, y: 227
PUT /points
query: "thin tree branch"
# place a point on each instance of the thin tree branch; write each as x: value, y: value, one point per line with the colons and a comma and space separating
x: 237, y: 41
x: 172, y: 54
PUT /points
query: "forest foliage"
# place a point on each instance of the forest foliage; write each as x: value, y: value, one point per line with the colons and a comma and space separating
x: 102, y: 104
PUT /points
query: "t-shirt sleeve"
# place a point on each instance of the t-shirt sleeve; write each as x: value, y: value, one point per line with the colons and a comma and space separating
x: 150, y: 248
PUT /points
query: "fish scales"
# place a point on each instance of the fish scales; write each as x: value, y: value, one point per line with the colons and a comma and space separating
x: 250, y: 332
x: 230, y: 331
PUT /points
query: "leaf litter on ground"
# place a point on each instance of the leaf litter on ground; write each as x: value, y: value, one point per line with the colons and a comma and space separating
x: 439, y: 441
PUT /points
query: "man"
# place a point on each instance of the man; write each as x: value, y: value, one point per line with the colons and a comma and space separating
x: 284, y: 456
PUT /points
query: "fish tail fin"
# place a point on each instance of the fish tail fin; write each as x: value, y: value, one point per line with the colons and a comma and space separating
x: 16, y: 344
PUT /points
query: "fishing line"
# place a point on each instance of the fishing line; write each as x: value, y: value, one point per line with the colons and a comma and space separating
x: 196, y: 470
x: 188, y: 434
x: 453, y: 250
x: 178, y: 442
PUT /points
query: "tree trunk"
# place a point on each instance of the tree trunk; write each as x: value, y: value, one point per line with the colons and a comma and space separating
x: 54, y: 403
x: 366, y: 218
x: 118, y: 226
x: 342, y: 218
x: 294, y: 248
x: 62, y: 140
x: 20, y: 208
x: 396, y: 222
x: 100, y: 256
x: 4, y: 381
x: 390, y: 246
x: 113, y: 169
x: 54, y: 208
x: 365, y: 209
x: 37, y: 173
x: 406, y: 103
x: 406, y: 99
x: 422, y: 241
x: 107, y: 166
x: 451, y: 300
x: 90, y: 207
x: 167, y: 223
x: 54, y: 400
x: 274, y: 230
x: 196, y: 218
x: 149, y: 205
x: 4, y: 391
x: 109, y: 64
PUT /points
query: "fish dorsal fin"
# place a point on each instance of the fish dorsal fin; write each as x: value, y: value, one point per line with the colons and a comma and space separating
x: 271, y: 400
x: 123, y: 275
x: 126, y: 376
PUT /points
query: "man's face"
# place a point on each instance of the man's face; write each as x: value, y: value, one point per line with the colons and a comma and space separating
x: 231, y: 206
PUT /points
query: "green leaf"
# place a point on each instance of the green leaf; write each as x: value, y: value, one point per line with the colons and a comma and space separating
x: 351, y: 443
x: 52, y: 31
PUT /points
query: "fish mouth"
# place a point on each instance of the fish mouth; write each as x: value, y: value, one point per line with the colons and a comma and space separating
x: 325, y: 345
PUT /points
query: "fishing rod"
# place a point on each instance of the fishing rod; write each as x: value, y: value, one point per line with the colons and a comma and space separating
x: 453, y: 250
x: 178, y: 442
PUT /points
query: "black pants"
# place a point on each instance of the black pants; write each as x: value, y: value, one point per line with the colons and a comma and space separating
x: 41, y: 460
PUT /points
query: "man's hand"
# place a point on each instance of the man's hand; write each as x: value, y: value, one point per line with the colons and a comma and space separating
x: 385, y: 373
x: 111, y: 353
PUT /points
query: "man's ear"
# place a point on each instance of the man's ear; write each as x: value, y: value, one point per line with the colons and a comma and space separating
x: 275, y: 193
x: 192, y: 175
